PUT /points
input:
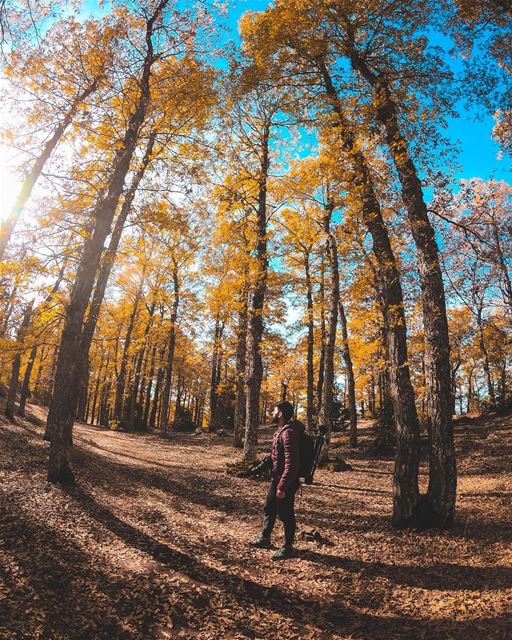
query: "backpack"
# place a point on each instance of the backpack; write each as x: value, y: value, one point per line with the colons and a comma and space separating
x: 309, y: 450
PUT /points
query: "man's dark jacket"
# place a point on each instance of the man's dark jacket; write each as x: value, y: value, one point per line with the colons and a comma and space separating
x: 286, y: 455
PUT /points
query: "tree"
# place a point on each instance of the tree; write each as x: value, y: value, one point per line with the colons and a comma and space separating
x: 313, y: 47
x: 64, y: 86
x: 298, y: 245
x: 63, y: 403
x: 253, y: 117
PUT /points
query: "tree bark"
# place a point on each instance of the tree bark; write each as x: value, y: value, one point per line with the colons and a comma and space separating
x: 94, y: 402
x: 323, y: 337
x: 158, y: 386
x: 104, y: 274
x: 215, y: 375
x: 241, y: 363
x: 310, y: 392
x: 25, y: 387
x: 65, y: 392
x: 131, y: 406
x: 166, y: 394
x: 349, y: 373
x: 405, y: 477
x: 121, y: 378
x: 326, y: 412
x: 443, y: 471
x: 149, y: 386
x: 255, y: 364
x: 485, y: 356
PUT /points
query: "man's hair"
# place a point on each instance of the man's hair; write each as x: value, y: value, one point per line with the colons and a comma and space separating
x: 286, y: 409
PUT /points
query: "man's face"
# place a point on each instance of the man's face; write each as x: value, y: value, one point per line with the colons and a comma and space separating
x: 276, y: 414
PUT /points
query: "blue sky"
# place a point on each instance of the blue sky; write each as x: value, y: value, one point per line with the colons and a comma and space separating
x: 478, y: 154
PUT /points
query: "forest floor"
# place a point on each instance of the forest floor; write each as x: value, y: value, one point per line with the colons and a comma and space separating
x: 152, y: 544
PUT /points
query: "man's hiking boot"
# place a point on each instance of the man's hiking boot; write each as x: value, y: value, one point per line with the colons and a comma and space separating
x: 260, y: 543
x: 284, y: 553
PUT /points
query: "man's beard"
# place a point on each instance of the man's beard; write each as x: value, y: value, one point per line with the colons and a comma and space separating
x: 275, y: 419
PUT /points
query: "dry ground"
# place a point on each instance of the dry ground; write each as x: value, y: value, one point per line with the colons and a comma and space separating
x: 152, y: 544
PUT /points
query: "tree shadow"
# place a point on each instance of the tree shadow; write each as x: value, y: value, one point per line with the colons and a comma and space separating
x: 327, y: 615
x: 381, y: 492
x: 58, y: 591
x: 432, y: 576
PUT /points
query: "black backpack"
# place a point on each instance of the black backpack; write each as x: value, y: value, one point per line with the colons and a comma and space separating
x: 309, y: 449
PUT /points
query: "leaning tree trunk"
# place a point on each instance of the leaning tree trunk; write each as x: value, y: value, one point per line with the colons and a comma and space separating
x: 7, y: 227
x: 405, y: 477
x: 349, y: 373
x: 255, y: 364
x: 16, y: 363
x: 326, y: 412
x: 103, y: 277
x: 443, y: 472
x: 166, y: 394
x: 310, y: 393
x: 65, y: 392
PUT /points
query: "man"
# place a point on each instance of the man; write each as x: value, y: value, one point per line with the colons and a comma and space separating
x: 285, y: 462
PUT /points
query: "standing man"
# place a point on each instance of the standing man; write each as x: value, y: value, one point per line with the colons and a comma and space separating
x: 285, y: 462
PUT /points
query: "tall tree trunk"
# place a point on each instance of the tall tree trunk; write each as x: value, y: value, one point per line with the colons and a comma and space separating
x: 7, y: 227
x: 90, y: 417
x: 349, y: 373
x: 443, y: 472
x: 130, y: 409
x: 323, y: 337
x: 485, y: 356
x: 16, y: 363
x: 310, y: 393
x: 241, y: 362
x: 255, y: 364
x: 470, y: 389
x: 104, y: 274
x: 25, y: 387
x: 104, y: 411
x: 326, y: 413
x: 405, y: 477
x: 39, y: 374
x: 65, y: 392
x: 121, y: 378
x: 147, y: 403
x: 166, y: 395
x: 215, y: 375
x: 158, y: 386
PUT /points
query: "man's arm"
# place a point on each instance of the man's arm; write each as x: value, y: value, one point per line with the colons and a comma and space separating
x: 290, y: 441
x: 266, y: 463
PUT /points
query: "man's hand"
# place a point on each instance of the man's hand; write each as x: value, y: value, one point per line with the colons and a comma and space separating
x: 280, y: 494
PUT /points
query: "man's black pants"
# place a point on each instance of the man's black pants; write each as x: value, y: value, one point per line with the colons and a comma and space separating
x: 284, y: 508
